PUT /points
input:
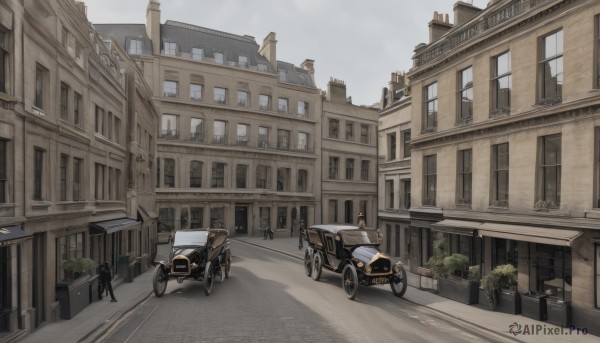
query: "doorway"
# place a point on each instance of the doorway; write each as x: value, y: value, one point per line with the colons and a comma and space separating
x: 241, y: 219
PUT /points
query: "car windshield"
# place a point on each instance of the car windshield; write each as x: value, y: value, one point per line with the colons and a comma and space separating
x: 359, y: 237
x: 193, y: 238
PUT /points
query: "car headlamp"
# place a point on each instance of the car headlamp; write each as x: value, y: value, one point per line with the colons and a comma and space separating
x: 397, y: 268
x: 360, y: 264
x: 368, y: 269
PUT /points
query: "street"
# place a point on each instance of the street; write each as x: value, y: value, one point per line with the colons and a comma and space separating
x: 269, y: 299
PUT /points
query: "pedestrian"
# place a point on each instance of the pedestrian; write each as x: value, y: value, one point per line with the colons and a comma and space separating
x: 301, y: 232
x: 361, y: 220
x: 105, y: 280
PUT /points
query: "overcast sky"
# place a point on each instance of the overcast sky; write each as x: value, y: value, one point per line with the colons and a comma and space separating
x: 358, y: 41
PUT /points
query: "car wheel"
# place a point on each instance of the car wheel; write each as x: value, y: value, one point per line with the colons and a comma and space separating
x: 350, y: 281
x: 227, y: 267
x: 208, y: 278
x: 307, y: 263
x: 317, y: 266
x: 398, y: 282
x: 159, y: 282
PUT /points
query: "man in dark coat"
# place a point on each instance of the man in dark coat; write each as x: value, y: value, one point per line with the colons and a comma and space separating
x: 106, y: 278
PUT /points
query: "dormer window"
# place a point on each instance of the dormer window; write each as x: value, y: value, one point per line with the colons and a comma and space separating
x: 243, y: 61
x: 197, y: 54
x: 135, y: 47
x: 282, y: 75
x: 219, y: 58
x: 170, y: 48
x: 262, y: 67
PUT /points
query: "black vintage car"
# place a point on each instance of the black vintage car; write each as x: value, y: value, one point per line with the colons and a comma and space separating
x: 354, y: 252
x: 195, y: 254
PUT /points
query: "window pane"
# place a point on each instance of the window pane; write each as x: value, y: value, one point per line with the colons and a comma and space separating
x: 503, y: 64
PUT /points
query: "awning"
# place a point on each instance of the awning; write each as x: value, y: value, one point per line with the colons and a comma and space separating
x: 459, y: 227
x: 146, y: 215
x: 12, y: 234
x: 111, y: 226
x: 532, y: 234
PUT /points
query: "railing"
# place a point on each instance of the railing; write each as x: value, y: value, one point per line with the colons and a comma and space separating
x: 170, y: 93
x: 198, y: 136
x: 169, y: 134
x: 261, y: 183
x: 241, y: 140
x: 221, y: 140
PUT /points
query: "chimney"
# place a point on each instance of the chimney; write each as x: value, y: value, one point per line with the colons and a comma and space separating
x: 309, y: 66
x: 438, y: 26
x: 153, y: 25
x: 269, y: 49
x: 464, y: 11
x: 336, y: 91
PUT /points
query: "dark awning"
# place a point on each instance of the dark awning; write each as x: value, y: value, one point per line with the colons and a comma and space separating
x: 12, y: 234
x: 111, y: 226
x: 459, y: 227
x: 532, y: 234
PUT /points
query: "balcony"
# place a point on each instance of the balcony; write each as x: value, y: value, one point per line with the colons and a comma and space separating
x: 169, y: 134
x: 282, y: 145
x: 241, y: 141
x: 220, y: 140
x: 170, y: 93
x: 197, y: 136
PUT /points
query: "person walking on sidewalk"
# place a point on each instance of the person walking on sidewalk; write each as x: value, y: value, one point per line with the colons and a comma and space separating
x: 105, y: 280
x: 301, y: 232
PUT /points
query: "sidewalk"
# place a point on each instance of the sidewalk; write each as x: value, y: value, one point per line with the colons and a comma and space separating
x: 96, y: 318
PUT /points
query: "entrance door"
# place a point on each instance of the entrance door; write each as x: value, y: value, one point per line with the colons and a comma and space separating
x: 39, y: 282
x: 304, y: 214
x: 241, y: 219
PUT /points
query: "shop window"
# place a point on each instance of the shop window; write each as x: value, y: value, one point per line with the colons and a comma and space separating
x: 553, y: 271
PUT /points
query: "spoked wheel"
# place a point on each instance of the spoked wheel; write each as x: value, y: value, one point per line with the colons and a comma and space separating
x: 159, y: 282
x: 398, y: 282
x: 227, y: 267
x: 307, y: 263
x: 317, y: 266
x: 350, y: 281
x: 208, y: 278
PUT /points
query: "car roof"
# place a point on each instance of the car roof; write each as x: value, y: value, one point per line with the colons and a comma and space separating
x: 190, y: 237
x: 335, y: 228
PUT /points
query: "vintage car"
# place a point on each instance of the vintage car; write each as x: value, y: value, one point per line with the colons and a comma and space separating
x: 195, y: 254
x: 354, y: 252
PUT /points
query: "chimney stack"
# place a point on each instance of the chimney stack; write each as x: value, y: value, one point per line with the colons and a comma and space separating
x: 438, y: 26
x: 336, y: 91
x: 464, y: 11
x: 153, y: 25
x: 269, y: 49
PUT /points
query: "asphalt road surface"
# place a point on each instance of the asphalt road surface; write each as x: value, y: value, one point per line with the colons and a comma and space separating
x: 268, y: 298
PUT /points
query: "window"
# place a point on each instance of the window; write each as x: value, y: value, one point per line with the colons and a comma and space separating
x: 241, y: 172
x: 364, y: 133
x: 77, y: 108
x: 41, y: 79
x: 242, y: 134
x: 264, y: 102
x: 349, y: 131
x: 596, y: 55
x: 597, y: 273
x: 302, y: 180
x: 551, y: 68
x: 549, y: 172
x: 4, y: 63
x: 196, y: 174
x: 406, y: 143
x: 218, y: 175
x: 166, y: 220
x: 197, y: 129
x: 77, y: 176
x: 157, y: 172
x: 333, y: 211
x: 283, y: 179
x: 464, y: 184
x: 219, y: 58
x: 554, y: 271
x: 302, y: 108
x: 170, y: 48
x: 302, y: 141
x: 349, y: 169
x: 265, y: 216
x: 499, y: 180
x: 391, y: 137
x: 465, y: 96
x: 99, y: 173
x: 242, y: 98
x: 197, y: 217
x: 282, y: 76
x: 389, y: 194
x: 334, y: 125
x: 64, y: 164
x: 281, y: 217
x: 263, y: 137
x: 109, y: 125
x: 262, y: 173
x: 219, y: 132
x: 262, y: 67
x: 197, y: 54
x: 169, y: 173
x: 364, y: 170
x: 217, y: 217
x: 220, y: 95
x: 362, y: 208
x: 64, y: 101
x: 135, y: 47
x: 429, y: 122
x: 283, y: 139
x: 429, y: 180
x: 195, y: 92
x: 406, y: 194
x: 333, y: 167
x: 348, y: 212
x: 501, y: 83
x: 68, y: 247
x: 283, y: 105
x: 243, y: 61
x: 170, y: 89
x: 169, y: 127
x: 38, y: 173
x: 3, y: 170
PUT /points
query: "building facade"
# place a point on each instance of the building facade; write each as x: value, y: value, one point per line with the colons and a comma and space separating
x: 505, y: 146
x: 239, y: 138
x: 394, y: 154
x: 349, y: 166
x: 64, y: 158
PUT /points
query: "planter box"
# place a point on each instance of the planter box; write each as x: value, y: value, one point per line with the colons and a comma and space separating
x: 73, y: 296
x: 559, y: 311
x: 509, y: 302
x: 461, y: 290
x: 533, y: 305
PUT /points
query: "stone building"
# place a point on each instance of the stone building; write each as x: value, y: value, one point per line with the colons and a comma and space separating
x: 505, y: 145
x: 239, y: 138
x: 394, y: 154
x: 65, y: 144
x: 350, y: 167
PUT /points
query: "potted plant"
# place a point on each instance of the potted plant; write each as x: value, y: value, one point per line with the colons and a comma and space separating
x: 533, y: 305
x: 499, y: 287
x: 453, y: 284
x: 75, y: 267
x: 559, y: 311
x: 76, y: 291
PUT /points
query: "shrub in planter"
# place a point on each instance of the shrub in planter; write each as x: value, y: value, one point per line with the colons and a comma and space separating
x: 75, y: 267
x: 502, y: 277
x: 436, y: 262
x: 456, y: 264
x: 453, y: 285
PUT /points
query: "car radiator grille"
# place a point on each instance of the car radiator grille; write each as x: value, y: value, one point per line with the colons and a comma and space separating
x: 381, y: 266
x: 181, y: 266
